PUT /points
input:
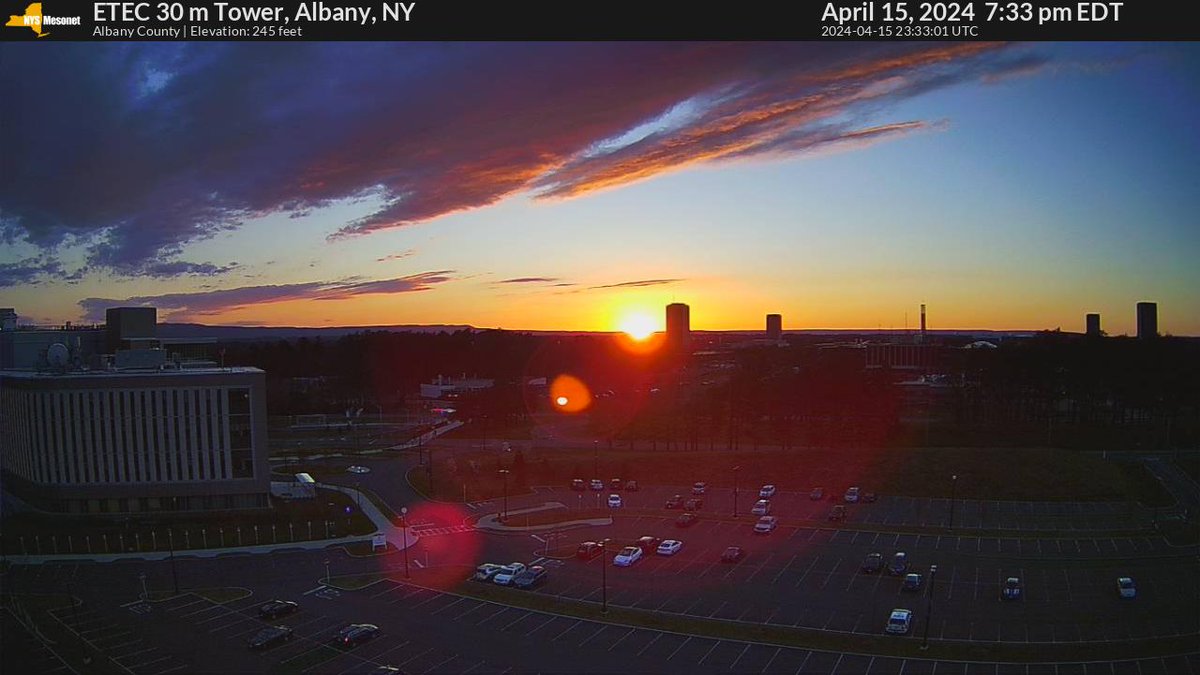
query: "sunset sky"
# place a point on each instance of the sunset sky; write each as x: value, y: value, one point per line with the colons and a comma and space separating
x: 570, y: 186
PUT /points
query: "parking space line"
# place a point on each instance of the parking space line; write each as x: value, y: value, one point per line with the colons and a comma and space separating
x: 502, y: 611
x: 441, y: 664
x: 542, y: 625
x: 173, y: 669
x: 614, y: 645
x: 808, y: 655
x: 414, y: 658
x: 807, y: 570
x: 710, y: 651
x: 589, y: 638
x: 719, y: 608
x: 785, y: 568
x: 829, y: 576
x: 681, y: 645
x: 656, y: 637
x: 569, y: 628
x: 168, y: 657
x: 437, y: 611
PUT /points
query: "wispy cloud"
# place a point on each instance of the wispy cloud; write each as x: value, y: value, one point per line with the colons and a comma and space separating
x: 638, y: 284
x: 183, y: 141
x: 398, y: 256
x: 529, y: 280
x: 183, y: 306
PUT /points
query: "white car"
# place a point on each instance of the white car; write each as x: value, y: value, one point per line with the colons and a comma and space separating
x: 899, y: 622
x: 761, y: 508
x: 596, y: 484
x: 628, y: 556
x: 766, y: 492
x: 699, y: 488
x: 851, y: 495
x: 1126, y: 588
x: 614, y: 501
x: 670, y: 547
x: 358, y: 469
x: 506, y: 574
x: 765, y: 524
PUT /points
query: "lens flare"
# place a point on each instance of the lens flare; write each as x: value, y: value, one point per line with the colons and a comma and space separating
x: 570, y: 394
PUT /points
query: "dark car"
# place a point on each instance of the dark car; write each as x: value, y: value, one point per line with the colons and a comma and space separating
x: 356, y: 634
x: 837, y: 513
x: 686, y: 520
x: 530, y: 577
x: 648, y: 544
x: 873, y: 563
x: 899, y: 564
x: 631, y: 485
x: 870, y: 497
x: 616, y: 484
x: 578, y: 485
x: 1011, y: 589
x: 693, y: 504
x: 277, y: 608
x: 912, y: 582
x: 270, y: 636
x: 733, y: 554
x: 816, y: 494
x: 675, y: 502
x: 589, y: 550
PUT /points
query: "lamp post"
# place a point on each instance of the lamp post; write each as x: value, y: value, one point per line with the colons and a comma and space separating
x: 604, y: 576
x: 596, y: 458
x: 174, y: 572
x: 504, y: 513
x: 404, y: 531
x: 953, y: 494
x: 327, y: 570
x: 736, y: 469
x: 929, y: 606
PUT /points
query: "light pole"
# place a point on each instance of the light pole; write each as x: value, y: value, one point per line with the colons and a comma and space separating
x: 174, y: 572
x: 596, y: 459
x: 145, y: 593
x: 504, y: 516
x: 929, y: 606
x: 953, y: 493
x: 736, y: 469
x: 404, y: 530
x: 604, y: 576
x: 327, y: 570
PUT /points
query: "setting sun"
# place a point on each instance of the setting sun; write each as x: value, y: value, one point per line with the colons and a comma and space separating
x: 638, y: 326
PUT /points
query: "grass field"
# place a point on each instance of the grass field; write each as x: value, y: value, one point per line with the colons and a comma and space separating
x: 983, y: 473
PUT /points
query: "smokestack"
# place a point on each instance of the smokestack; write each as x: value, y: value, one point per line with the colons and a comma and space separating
x: 921, y: 336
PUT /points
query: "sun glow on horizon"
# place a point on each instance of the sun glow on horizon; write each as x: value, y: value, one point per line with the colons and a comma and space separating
x: 638, y: 326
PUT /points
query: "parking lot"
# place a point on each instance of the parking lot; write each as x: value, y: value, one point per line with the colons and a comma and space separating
x: 812, y: 578
x: 889, y: 510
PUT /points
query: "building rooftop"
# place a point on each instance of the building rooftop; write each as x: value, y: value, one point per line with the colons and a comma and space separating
x: 166, y: 372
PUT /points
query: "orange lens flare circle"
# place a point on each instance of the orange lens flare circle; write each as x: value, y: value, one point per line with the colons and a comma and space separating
x: 569, y: 394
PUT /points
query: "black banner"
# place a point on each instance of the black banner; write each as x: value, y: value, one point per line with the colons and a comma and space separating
x: 283, y: 20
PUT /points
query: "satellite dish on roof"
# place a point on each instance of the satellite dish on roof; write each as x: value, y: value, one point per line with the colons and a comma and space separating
x: 57, y: 355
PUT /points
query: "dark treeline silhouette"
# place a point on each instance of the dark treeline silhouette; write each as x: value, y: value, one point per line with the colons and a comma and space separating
x: 1051, y: 389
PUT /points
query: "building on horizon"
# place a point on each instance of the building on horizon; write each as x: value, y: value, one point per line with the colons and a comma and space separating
x: 83, y: 431
x: 1147, y: 320
x: 774, y: 326
x: 1092, y: 322
x: 679, y: 330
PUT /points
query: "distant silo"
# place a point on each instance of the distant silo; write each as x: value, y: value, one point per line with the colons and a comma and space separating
x: 1147, y: 320
x: 774, y: 326
x: 1093, y: 325
x: 678, y: 325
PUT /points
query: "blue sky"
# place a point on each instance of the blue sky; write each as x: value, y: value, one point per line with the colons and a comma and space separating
x: 571, y: 186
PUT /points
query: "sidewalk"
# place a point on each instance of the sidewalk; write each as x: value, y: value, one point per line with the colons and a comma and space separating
x: 492, y: 523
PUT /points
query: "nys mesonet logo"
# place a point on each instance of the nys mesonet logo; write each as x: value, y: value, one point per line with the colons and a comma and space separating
x: 34, y: 20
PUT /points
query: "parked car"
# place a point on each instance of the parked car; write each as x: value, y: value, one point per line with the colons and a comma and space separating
x: 631, y: 485
x: 872, y: 563
x: 686, y: 520
x: 506, y: 574
x: 356, y: 634
x: 486, y: 571
x: 699, y: 487
x: 765, y: 525
x: 675, y: 502
x: 1011, y: 589
x: 733, y: 554
x: 912, y: 582
x: 693, y: 504
x: 870, y: 497
x: 277, y: 608
x: 358, y: 469
x: 615, y: 484
x: 648, y: 544
x: 670, y: 547
x: 1126, y: 588
x: 530, y: 577
x: 816, y: 494
x: 899, y: 564
x: 851, y: 495
x: 269, y: 637
x: 766, y: 492
x: 387, y: 670
x: 761, y: 507
x: 628, y: 556
x: 596, y: 484
x: 578, y: 485
x: 899, y: 622
x: 589, y: 550
x: 838, y: 512
x: 614, y: 501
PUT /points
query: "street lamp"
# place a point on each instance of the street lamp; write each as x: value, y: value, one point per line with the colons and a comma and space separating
x: 953, y: 493
x: 596, y: 458
x: 736, y: 469
x: 404, y: 530
x: 327, y: 570
x: 604, y: 576
x: 929, y: 606
x: 504, y: 516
